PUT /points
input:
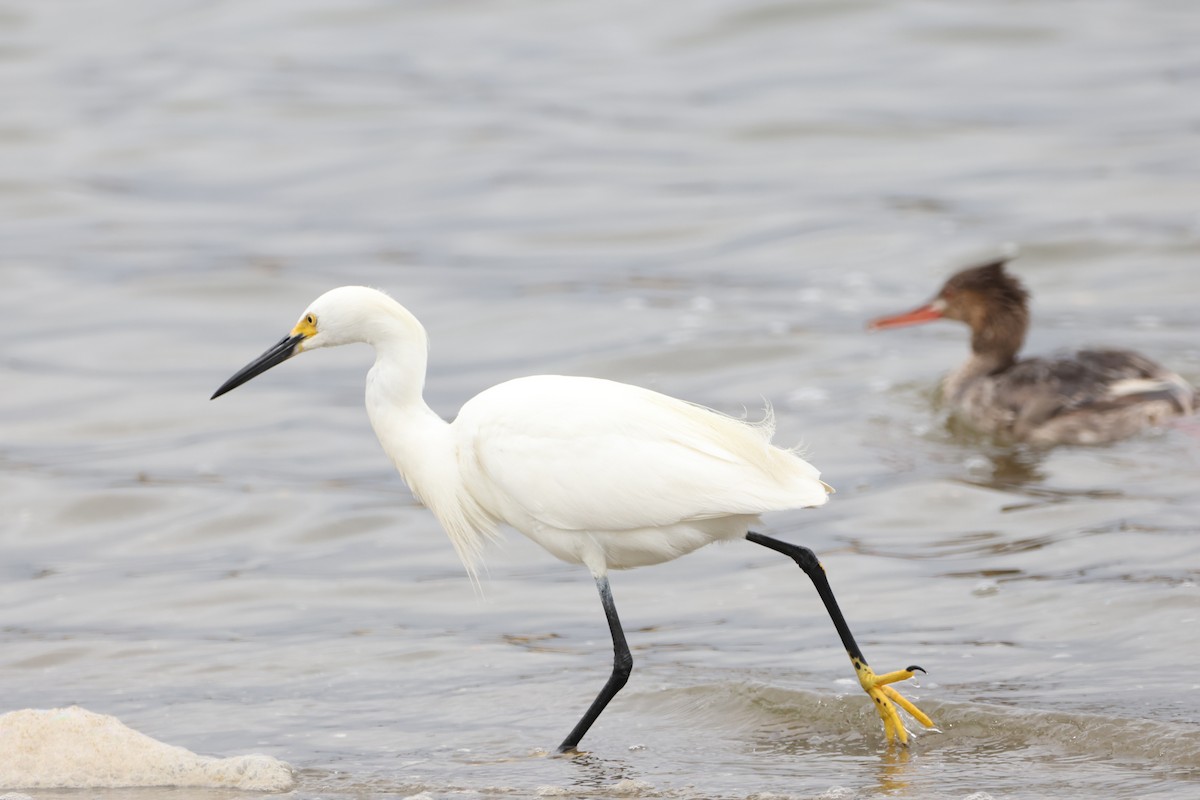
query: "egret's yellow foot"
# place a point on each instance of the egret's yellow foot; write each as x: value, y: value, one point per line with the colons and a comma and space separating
x: 886, y: 699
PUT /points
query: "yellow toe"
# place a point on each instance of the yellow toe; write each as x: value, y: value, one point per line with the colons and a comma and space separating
x: 886, y: 699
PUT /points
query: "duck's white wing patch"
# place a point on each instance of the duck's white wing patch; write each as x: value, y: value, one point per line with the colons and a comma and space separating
x: 1135, y: 386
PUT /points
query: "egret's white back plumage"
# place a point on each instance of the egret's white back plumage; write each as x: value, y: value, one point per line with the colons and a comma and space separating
x: 591, y: 454
x: 564, y: 456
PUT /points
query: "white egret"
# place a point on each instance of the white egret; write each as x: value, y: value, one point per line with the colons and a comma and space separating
x: 603, y: 474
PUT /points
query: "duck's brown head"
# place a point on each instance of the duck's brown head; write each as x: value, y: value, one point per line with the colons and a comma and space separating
x: 987, y: 298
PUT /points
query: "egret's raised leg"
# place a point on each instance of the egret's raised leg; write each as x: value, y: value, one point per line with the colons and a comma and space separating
x: 876, y: 686
x: 622, y: 667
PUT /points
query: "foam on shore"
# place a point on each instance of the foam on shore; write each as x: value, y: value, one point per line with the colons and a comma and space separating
x: 76, y: 748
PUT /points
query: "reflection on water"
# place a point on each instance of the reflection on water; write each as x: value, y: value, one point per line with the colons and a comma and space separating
x: 1014, y: 468
x: 894, y: 770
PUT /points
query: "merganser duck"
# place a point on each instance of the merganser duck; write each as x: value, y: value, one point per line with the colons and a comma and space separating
x: 1088, y: 397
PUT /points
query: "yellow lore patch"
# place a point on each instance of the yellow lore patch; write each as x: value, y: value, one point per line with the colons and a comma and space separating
x: 306, y: 327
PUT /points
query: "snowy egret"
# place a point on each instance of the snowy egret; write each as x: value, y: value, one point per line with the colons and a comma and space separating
x: 603, y: 474
x: 1088, y: 397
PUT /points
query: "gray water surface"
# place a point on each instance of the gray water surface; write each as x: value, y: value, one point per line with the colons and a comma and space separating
x: 705, y: 198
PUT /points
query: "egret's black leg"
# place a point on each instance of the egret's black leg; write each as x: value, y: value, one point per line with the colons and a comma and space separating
x: 874, y: 685
x: 622, y: 667
x: 807, y: 560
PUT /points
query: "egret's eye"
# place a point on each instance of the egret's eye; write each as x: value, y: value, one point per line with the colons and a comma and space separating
x: 310, y: 319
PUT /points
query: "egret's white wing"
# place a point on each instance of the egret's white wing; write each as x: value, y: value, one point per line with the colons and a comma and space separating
x: 589, y: 454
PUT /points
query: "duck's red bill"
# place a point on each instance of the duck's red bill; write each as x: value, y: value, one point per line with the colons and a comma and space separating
x: 926, y: 313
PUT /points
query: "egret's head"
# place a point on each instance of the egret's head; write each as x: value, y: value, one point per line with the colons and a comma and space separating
x: 340, y: 316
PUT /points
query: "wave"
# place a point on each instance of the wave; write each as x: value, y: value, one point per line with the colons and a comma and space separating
x: 810, y: 715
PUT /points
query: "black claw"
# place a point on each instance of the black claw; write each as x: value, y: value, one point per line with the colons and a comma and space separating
x: 915, y: 668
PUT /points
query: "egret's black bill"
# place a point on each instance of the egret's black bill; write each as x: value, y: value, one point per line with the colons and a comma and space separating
x: 284, y: 349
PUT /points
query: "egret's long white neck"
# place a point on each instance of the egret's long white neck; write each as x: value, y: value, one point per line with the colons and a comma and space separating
x: 419, y: 442
x: 401, y: 355
x: 397, y: 379
x: 411, y: 432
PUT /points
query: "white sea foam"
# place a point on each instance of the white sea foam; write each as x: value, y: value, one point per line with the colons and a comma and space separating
x: 76, y: 748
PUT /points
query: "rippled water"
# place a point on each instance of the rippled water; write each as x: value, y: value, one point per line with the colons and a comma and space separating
x: 706, y: 198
